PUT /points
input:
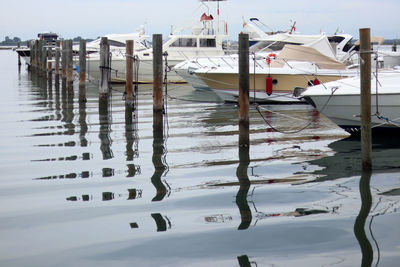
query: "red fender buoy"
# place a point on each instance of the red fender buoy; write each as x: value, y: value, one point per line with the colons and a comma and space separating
x: 268, y: 85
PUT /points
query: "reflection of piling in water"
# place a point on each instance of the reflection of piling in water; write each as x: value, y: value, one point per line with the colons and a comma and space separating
x: 160, y: 221
x: 104, y: 133
x: 131, y: 128
x: 359, y: 224
x: 244, y: 186
x: 132, y: 138
x: 158, y: 154
x: 68, y: 111
x: 83, y: 124
x: 57, y: 100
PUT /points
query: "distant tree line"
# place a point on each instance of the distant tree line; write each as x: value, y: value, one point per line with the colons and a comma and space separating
x: 14, y: 41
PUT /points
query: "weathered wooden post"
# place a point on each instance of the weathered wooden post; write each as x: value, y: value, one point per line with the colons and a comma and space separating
x: 49, y: 64
x: 43, y: 65
x: 37, y: 56
x: 19, y: 57
x: 57, y: 62
x: 70, y: 66
x: 394, y: 46
x: 64, y: 63
x: 157, y: 84
x: 365, y: 86
x: 82, y: 70
x: 129, y: 73
x: 105, y: 66
x: 157, y: 72
x: 31, y: 56
x: 244, y: 84
x: 244, y: 140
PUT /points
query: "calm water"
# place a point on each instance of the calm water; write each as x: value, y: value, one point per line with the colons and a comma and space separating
x: 93, y: 185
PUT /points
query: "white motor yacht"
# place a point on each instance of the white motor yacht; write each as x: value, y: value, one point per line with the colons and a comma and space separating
x: 205, y: 40
x: 340, y: 100
x: 273, y: 75
x: 221, y: 73
x: 25, y: 52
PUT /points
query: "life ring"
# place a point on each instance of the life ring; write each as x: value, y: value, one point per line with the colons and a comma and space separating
x: 269, y: 57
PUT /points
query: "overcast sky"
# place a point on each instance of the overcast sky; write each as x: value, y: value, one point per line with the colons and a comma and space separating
x: 93, y: 18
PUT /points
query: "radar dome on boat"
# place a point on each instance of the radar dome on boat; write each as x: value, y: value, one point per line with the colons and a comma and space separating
x: 196, y: 30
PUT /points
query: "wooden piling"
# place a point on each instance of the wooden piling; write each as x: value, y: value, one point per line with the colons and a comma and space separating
x: 43, y: 64
x: 49, y: 64
x: 57, y: 62
x: 365, y: 101
x: 105, y: 67
x: 31, y: 56
x: 244, y: 84
x: 37, y: 56
x: 129, y: 72
x: 64, y: 63
x: 19, y: 57
x: 70, y: 66
x: 37, y: 59
x: 82, y: 71
x: 394, y: 46
x: 157, y: 72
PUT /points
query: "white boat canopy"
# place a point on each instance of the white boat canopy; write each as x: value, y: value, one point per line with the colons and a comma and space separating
x: 305, y: 53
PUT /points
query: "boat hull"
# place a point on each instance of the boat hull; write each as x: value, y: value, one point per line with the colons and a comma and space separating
x: 226, y: 85
x: 118, y: 71
x: 344, y: 110
x: 190, y: 77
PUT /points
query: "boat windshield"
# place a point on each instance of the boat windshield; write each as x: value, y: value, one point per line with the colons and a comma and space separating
x: 184, y: 42
x: 207, y: 42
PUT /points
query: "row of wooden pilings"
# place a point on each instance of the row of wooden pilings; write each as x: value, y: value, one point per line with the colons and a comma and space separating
x: 40, y: 54
x: 46, y: 59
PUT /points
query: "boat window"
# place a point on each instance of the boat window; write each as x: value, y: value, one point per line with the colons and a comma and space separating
x: 146, y: 43
x: 335, y: 39
x: 339, y: 39
x: 115, y: 43
x: 185, y: 42
x: 207, y: 43
x: 269, y: 46
x: 348, y: 46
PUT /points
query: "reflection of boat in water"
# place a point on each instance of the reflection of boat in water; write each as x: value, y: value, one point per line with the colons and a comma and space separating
x: 346, y: 161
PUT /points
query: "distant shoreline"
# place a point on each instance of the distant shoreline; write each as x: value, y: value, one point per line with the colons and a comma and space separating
x: 7, y: 47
